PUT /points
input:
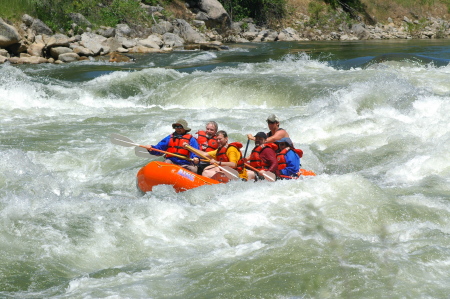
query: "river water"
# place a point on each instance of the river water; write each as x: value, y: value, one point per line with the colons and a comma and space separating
x: 373, y: 120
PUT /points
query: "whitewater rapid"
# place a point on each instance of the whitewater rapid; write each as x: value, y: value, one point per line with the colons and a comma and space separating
x: 374, y: 222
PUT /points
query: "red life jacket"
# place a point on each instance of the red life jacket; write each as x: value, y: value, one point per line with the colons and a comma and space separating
x: 255, y: 157
x: 222, y: 155
x: 281, y: 157
x: 299, y: 152
x: 176, y: 145
x: 206, y: 143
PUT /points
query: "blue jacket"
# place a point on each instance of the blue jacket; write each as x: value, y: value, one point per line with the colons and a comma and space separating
x: 292, y: 164
x: 163, y: 145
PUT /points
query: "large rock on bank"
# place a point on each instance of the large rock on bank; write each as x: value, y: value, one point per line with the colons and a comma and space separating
x: 8, y: 34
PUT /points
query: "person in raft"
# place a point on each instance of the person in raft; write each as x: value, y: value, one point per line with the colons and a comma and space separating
x: 207, y: 141
x: 287, y: 157
x: 174, y: 144
x: 263, y: 157
x: 225, y: 155
x: 275, y: 133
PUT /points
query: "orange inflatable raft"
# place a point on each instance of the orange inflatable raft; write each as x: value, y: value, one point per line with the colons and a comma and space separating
x: 160, y: 173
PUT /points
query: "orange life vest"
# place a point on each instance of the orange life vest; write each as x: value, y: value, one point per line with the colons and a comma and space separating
x: 255, y: 157
x: 175, y: 145
x: 281, y: 158
x: 299, y: 152
x: 222, y: 155
x: 206, y: 143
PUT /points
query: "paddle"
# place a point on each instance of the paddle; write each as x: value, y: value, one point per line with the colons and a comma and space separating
x: 124, y: 141
x: 246, y: 147
x: 143, y: 152
x: 229, y: 172
x: 267, y: 174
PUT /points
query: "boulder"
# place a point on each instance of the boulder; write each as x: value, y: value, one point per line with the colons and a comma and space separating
x: 186, y: 32
x: 39, y: 27
x: 36, y: 48
x: 3, y: 59
x: 69, y: 57
x: 82, y: 51
x: 217, y: 17
x: 107, y: 32
x: 123, y: 30
x: 162, y: 27
x: 128, y: 43
x: 8, y: 34
x: 55, y: 52
x: 57, y: 40
x: 172, y: 40
x: 361, y: 32
x: 3, y: 52
x: 80, y: 20
x: 93, y: 42
x: 27, y: 20
x: 152, y: 41
x: 288, y: 34
x: 112, y: 44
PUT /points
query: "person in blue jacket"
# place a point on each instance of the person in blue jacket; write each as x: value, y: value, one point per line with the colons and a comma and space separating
x: 288, y: 159
x: 174, y: 144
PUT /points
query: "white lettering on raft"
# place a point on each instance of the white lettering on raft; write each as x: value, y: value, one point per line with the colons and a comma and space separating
x: 185, y: 174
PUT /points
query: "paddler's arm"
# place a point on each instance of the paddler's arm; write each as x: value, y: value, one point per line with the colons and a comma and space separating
x: 194, y: 143
x: 277, y: 136
x: 250, y: 137
x: 162, y: 145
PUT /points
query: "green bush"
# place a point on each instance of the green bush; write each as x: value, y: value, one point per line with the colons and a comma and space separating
x: 56, y: 13
x: 262, y: 11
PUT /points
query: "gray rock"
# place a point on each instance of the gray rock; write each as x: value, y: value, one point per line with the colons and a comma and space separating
x: 128, y: 43
x: 186, y: 32
x: 123, y: 30
x: 217, y: 14
x: 288, y: 34
x: 57, y: 40
x: 360, y: 32
x: 69, y: 57
x: 36, y: 49
x: 172, y: 40
x: 39, y: 27
x: 152, y: 41
x: 8, y: 34
x: 27, y: 20
x: 113, y: 43
x: 55, y: 52
x: 107, y: 32
x: 82, y: 51
x: 93, y: 42
x: 162, y: 27
x: 80, y: 20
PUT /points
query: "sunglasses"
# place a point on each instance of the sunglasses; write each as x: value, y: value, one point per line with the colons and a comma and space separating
x: 271, y: 122
x: 177, y: 127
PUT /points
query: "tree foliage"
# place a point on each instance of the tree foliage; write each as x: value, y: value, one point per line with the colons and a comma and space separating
x: 262, y: 11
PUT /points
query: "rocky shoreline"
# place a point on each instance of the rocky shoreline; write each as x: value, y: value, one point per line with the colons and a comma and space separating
x: 34, y: 42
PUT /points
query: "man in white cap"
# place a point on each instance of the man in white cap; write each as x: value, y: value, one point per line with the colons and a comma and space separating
x: 174, y: 144
x: 276, y: 133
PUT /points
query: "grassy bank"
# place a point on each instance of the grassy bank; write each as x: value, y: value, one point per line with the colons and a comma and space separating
x: 272, y: 13
x: 14, y: 9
